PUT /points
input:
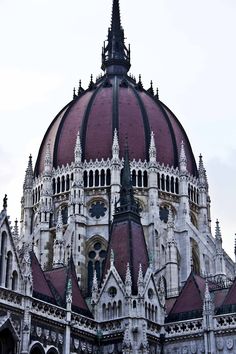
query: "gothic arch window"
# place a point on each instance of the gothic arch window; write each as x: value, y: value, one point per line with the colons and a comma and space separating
x: 134, y: 178
x: 108, y: 177
x: 53, y: 186
x: 63, y: 184
x: 176, y: 186
x: 96, y: 261
x: 164, y: 212
x: 90, y: 178
x: 102, y: 178
x: 85, y: 179
x: 3, y: 255
x: 58, y: 185
x: 14, y: 280
x: 52, y: 351
x: 167, y: 183
x: 64, y: 214
x: 37, y: 349
x: 195, y: 257
x: 8, y: 269
x: 139, y: 179
x: 145, y: 179
x: 67, y: 182
x: 96, y: 178
x: 158, y: 180
x: 162, y: 283
x: 172, y: 185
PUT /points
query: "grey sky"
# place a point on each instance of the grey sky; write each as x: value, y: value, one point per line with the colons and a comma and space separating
x: 186, y: 47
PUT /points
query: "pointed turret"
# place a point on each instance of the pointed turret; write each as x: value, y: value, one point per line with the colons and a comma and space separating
x: 140, y: 282
x: 128, y: 281
x: 28, y: 182
x: 48, y: 162
x: 115, y: 55
x: 78, y: 150
x: 115, y: 146
x: 202, y: 173
x: 182, y: 159
x: 219, y: 255
x: 152, y: 149
x: 58, y: 247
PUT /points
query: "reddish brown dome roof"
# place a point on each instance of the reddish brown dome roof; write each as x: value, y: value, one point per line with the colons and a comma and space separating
x: 115, y: 103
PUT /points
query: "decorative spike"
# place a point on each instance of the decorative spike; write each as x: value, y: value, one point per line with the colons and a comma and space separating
x: 207, y: 293
x: 115, y: 53
x: 202, y: 173
x: 112, y: 258
x: 157, y: 94
x: 80, y: 89
x: 59, y: 226
x: 115, y: 146
x: 28, y: 182
x: 139, y: 85
x: 16, y: 229
x: 69, y: 292
x: 74, y: 94
x: 152, y: 149
x: 78, y: 149
x: 182, y: 159
x: 217, y: 231
x: 91, y: 84
x: 150, y: 90
x: 128, y: 279
x: 140, y: 275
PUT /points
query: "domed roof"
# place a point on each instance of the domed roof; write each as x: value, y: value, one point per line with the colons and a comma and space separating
x: 115, y: 101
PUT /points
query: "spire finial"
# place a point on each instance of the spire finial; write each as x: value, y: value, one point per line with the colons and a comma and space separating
x: 78, y: 149
x: 126, y: 192
x: 182, y: 158
x: 115, y: 53
x: 218, y: 232
x: 150, y: 90
x: 152, y: 149
x: 115, y: 146
x: 28, y: 182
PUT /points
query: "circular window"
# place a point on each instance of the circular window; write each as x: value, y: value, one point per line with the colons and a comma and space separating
x: 97, y: 210
x: 92, y: 254
x: 112, y: 291
x: 97, y: 246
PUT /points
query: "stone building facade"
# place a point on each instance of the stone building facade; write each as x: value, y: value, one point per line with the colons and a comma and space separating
x: 115, y: 251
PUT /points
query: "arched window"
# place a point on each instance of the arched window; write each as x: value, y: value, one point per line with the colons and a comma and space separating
x: 58, y: 185
x: 37, y: 349
x: 162, y: 182
x: 139, y: 179
x: 63, y: 184
x: 15, y: 280
x: 167, y: 183
x: 96, y: 262
x: 8, y: 269
x: 145, y: 179
x: 53, y: 186
x: 85, y: 179
x: 3, y: 255
x: 64, y: 213
x: 90, y: 178
x: 195, y: 257
x: 164, y: 212
x: 158, y: 181
x: 172, y: 185
x: 176, y: 186
x: 67, y: 182
x: 108, y: 177
x: 96, y: 178
x: 102, y: 178
x: 134, y: 178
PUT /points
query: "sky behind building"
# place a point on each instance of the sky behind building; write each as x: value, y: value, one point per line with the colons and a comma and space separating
x: 186, y: 47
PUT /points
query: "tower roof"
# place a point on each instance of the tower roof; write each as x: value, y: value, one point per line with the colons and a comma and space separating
x: 115, y: 101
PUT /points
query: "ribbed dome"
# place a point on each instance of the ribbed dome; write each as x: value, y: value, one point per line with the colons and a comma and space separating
x: 115, y: 101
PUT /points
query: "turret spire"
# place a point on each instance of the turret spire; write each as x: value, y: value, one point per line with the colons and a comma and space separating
x: 115, y: 55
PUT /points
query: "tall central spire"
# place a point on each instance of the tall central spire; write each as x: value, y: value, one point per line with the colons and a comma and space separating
x: 115, y: 54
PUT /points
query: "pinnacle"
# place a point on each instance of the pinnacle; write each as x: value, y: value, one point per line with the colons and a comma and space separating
x: 217, y: 230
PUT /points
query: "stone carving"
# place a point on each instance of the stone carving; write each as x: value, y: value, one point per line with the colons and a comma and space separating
x: 53, y: 336
x: 229, y: 343
x: 220, y: 343
x: 76, y: 343
x: 39, y: 331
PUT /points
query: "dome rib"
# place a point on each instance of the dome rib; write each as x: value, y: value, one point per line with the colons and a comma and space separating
x: 85, y: 119
x: 44, y: 143
x: 146, y: 124
x: 115, y: 105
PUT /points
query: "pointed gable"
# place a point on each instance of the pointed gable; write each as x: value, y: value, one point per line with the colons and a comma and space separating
x: 229, y: 303
x: 189, y: 303
x: 58, y: 279
x: 41, y: 288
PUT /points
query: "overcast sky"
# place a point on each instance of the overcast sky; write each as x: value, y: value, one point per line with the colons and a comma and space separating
x: 187, y: 47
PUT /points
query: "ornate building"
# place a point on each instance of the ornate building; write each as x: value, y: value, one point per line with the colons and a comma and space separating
x: 115, y: 251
